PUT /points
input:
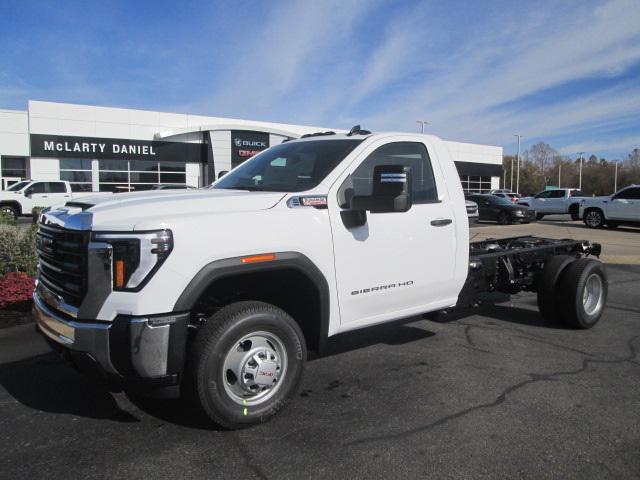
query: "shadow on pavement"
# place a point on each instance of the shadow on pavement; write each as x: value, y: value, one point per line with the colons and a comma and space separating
x: 47, y: 383
x: 394, y: 333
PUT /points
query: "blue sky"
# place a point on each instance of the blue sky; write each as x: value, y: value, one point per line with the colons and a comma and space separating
x: 564, y: 72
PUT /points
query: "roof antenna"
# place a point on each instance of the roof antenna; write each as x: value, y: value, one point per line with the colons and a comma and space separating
x: 356, y: 130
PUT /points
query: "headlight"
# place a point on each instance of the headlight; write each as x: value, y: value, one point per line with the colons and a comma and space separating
x: 519, y: 213
x: 136, y: 256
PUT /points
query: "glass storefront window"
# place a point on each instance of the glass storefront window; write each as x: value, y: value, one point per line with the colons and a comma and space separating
x: 475, y: 184
x: 136, y: 175
x: 14, y: 167
x: 77, y: 171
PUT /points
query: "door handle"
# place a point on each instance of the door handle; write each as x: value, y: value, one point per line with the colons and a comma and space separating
x: 441, y: 222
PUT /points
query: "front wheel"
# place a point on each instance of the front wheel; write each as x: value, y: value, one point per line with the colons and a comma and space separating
x: 247, y: 363
x: 594, y: 219
x: 9, y: 210
x: 504, y: 218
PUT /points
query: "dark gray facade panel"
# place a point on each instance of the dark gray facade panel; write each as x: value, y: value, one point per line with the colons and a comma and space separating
x: 479, y: 169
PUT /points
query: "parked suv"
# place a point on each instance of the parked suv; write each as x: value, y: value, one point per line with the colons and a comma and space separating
x: 621, y: 208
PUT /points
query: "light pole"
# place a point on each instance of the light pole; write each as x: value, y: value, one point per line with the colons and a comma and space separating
x: 580, y: 181
x: 422, y: 124
x: 559, y: 173
x: 518, y: 164
x: 615, y: 178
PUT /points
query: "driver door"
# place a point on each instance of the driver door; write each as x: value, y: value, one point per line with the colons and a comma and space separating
x: 396, y: 262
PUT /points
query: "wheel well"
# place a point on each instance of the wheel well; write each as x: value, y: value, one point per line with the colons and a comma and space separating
x: 15, y: 205
x: 286, y: 288
x: 574, y: 206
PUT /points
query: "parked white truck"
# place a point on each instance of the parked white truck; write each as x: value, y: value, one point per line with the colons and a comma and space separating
x: 620, y: 208
x: 554, y: 202
x: 20, y: 198
x: 221, y: 292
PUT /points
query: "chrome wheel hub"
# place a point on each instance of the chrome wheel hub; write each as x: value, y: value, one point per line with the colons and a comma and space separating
x: 593, y: 219
x: 254, y: 368
x: 593, y: 294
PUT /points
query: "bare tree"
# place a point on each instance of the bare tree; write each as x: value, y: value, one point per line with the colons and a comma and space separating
x: 541, y: 153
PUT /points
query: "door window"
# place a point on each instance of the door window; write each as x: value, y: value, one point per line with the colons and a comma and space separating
x: 629, y: 194
x: 56, y: 187
x: 35, y: 188
x: 556, y: 194
x: 411, y: 154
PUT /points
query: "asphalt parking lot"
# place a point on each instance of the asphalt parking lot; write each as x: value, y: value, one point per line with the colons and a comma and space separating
x: 496, y: 394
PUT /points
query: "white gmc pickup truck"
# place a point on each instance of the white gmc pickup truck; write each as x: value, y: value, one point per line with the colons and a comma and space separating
x: 554, y: 202
x: 219, y: 293
x: 19, y: 199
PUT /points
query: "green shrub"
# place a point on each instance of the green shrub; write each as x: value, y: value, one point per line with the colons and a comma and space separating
x: 18, y: 250
x: 7, y: 219
x: 35, y: 213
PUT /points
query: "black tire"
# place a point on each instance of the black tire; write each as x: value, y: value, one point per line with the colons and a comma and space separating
x: 582, y: 274
x: 212, y: 385
x: 574, y: 211
x: 593, y: 218
x: 539, y: 216
x: 504, y: 218
x: 547, y: 284
x: 9, y: 210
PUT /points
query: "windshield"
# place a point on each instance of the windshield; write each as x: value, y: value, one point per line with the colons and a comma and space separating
x: 289, y: 167
x: 17, y: 186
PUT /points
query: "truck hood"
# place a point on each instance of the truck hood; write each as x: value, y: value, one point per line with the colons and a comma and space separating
x: 7, y: 195
x: 128, y: 211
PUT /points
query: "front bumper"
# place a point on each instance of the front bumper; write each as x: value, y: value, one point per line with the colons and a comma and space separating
x: 130, y: 352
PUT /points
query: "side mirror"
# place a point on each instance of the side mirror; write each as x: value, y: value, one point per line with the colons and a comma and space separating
x: 222, y: 173
x: 27, y: 193
x: 391, y: 191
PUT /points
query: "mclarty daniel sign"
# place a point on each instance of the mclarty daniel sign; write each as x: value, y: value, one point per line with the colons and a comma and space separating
x: 245, y: 144
x: 59, y: 146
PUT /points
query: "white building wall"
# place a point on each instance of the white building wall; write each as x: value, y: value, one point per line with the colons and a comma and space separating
x: 14, y: 133
x: 221, y: 143
x: 45, y: 169
x: 193, y: 174
x: 472, y: 152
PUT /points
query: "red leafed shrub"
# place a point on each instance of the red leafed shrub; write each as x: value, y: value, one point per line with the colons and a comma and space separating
x: 15, y: 290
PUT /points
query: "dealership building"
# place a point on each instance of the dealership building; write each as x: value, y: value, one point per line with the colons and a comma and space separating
x: 118, y: 149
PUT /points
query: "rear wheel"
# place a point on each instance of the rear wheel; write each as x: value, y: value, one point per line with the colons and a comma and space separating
x: 504, y: 218
x: 247, y: 362
x: 594, y: 218
x: 583, y: 293
x: 547, y: 287
x: 574, y: 211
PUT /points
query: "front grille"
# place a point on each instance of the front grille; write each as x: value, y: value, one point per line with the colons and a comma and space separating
x: 472, y: 209
x: 62, y: 261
